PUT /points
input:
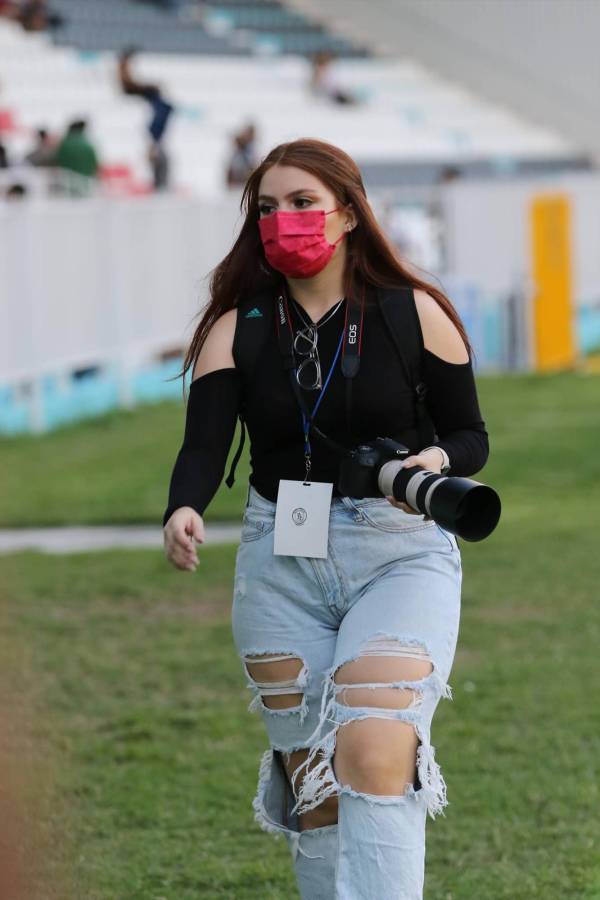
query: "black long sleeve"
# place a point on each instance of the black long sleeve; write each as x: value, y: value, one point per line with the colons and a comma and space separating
x: 212, y: 409
x: 454, y: 408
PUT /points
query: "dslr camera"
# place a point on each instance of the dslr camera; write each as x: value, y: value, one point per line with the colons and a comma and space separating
x: 462, y: 506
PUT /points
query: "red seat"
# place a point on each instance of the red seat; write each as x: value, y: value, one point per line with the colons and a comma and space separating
x: 8, y: 120
x: 118, y: 178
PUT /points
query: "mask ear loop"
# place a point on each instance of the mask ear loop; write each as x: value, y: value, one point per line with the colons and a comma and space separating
x: 347, y: 230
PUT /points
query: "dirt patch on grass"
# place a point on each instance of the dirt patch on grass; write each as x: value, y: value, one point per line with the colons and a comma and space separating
x: 215, y: 606
x: 514, y: 612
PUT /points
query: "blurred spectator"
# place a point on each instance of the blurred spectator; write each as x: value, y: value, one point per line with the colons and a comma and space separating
x: 438, y: 209
x: 44, y: 150
x: 9, y: 9
x: 323, y: 82
x: 157, y: 126
x: 243, y: 157
x: 15, y: 191
x: 449, y: 173
x: 34, y: 15
x: 3, y: 157
x: 414, y: 233
x: 161, y: 108
x: 159, y: 163
x: 75, y: 152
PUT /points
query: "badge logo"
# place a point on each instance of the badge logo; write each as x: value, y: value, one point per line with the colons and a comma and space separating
x: 254, y: 313
x: 299, y: 516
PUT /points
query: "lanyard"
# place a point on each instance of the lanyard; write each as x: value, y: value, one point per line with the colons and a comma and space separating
x: 307, y: 420
x: 350, y: 340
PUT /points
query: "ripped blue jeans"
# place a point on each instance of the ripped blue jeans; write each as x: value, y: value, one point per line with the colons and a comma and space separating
x: 390, y: 586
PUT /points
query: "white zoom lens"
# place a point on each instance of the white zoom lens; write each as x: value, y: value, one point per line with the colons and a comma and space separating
x: 387, y: 475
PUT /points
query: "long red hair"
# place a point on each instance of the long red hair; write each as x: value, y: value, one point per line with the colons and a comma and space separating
x: 370, y: 258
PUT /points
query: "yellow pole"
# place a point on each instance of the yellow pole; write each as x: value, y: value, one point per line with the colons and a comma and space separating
x: 554, y: 343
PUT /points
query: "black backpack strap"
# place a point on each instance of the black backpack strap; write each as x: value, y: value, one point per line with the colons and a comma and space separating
x: 254, y: 321
x: 230, y: 478
x: 399, y: 311
x: 253, y: 326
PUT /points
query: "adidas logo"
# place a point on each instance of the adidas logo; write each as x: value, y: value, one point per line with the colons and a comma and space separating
x: 254, y: 313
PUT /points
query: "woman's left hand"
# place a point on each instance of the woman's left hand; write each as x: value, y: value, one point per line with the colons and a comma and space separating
x: 429, y: 459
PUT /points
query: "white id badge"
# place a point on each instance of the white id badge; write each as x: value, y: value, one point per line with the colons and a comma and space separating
x: 302, y: 518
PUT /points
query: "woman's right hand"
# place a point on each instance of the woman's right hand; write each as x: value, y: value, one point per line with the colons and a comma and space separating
x: 183, y: 527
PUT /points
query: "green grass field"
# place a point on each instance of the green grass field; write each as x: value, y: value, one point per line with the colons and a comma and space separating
x: 115, y: 468
x: 137, y: 701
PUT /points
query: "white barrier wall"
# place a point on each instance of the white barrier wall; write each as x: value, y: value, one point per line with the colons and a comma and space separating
x: 488, y: 230
x: 89, y: 281
x: 489, y: 236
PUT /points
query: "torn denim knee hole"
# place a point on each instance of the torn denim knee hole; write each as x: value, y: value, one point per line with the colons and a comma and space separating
x: 320, y: 782
x: 412, y: 689
x: 261, y: 815
x: 294, y: 685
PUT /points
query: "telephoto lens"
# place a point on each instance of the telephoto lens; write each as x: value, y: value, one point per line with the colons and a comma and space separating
x: 462, y: 506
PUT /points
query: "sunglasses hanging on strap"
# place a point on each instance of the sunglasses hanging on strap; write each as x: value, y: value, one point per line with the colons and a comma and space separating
x: 397, y: 305
x: 351, y: 346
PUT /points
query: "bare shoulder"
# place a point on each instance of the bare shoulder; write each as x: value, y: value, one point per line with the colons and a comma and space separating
x: 440, y: 334
x: 217, y: 349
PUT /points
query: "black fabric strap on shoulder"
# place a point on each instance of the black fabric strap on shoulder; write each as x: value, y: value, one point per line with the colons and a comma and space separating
x: 254, y: 321
x: 399, y: 310
x: 230, y: 478
x: 353, y: 326
x: 252, y: 328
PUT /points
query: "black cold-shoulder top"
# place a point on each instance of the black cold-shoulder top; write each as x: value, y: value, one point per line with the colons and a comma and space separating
x: 382, y: 405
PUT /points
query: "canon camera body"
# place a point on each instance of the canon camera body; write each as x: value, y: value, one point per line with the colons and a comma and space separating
x: 462, y: 506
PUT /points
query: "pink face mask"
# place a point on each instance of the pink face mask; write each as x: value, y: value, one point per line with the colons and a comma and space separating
x: 295, y: 242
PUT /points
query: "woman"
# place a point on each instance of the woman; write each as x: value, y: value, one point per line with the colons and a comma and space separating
x: 347, y: 648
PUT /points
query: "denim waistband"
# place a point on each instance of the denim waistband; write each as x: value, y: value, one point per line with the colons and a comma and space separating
x: 257, y: 501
